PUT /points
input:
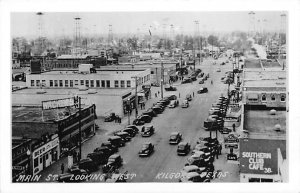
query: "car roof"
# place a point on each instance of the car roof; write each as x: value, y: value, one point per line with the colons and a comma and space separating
x: 122, y: 133
x: 175, y: 133
x: 115, y: 137
x: 114, y: 156
x: 190, y: 167
x: 182, y: 143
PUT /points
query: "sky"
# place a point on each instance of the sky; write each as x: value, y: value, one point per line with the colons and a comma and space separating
x: 62, y: 23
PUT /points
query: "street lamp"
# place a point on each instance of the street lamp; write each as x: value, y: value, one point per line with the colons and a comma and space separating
x: 28, y: 153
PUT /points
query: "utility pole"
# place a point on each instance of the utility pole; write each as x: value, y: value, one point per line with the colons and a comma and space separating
x: 79, y: 102
x: 162, y: 80
x: 136, y: 97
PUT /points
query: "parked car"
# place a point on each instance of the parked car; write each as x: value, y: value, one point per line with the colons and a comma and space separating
x: 150, y: 112
x: 191, y: 168
x: 201, y: 81
x: 130, y: 131
x: 170, y: 88
x: 98, y: 157
x: 124, y: 135
x: 104, y: 150
x: 172, y: 97
x: 147, y: 131
x: 88, y: 165
x: 226, y: 130
x: 111, y: 117
x: 155, y: 84
x: 142, y: 120
x: 183, y: 148
x: 202, y: 90
x: 173, y: 104
x: 158, y: 109
x: 136, y: 130
x: 195, y: 177
x: 175, y: 138
x: 147, y: 149
x: 110, y: 146
x: 188, y: 97
x: 186, y: 80
x: 185, y: 104
x: 116, y: 141
x: 114, y: 162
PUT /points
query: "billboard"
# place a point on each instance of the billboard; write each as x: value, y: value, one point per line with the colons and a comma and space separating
x: 259, y: 156
x: 59, y: 103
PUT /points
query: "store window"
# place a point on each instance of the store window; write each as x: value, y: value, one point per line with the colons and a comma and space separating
x: 71, y: 83
x: 122, y: 83
x: 87, y: 83
x: 32, y: 82
x: 51, y: 83
x: 116, y: 84
x: 273, y: 98
x: 108, y: 84
x: 128, y: 83
x: 97, y: 83
x: 103, y: 83
x: 282, y: 98
x: 56, y: 83
x: 60, y: 83
x: 66, y: 83
x: 92, y: 83
x: 263, y: 97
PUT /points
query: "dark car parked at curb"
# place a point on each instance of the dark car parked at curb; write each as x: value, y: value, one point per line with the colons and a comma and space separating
x: 150, y: 112
x: 110, y: 146
x: 104, y: 150
x: 141, y: 120
x: 88, y: 165
x: 136, y: 130
x: 124, y: 135
x: 158, y: 109
x: 111, y: 117
x: 98, y: 157
x: 175, y: 138
x: 147, y: 149
x: 130, y: 131
x: 114, y: 162
x: 186, y: 80
x: 183, y: 148
x: 117, y: 141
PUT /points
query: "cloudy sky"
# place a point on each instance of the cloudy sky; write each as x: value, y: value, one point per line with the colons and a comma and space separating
x: 54, y: 24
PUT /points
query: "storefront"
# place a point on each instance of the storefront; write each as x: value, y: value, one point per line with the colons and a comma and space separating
x: 44, y: 156
x: 259, y: 160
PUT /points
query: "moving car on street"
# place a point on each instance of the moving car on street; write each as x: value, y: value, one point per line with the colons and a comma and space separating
x: 183, y: 148
x: 202, y: 90
x: 147, y: 149
x: 147, y: 131
x: 188, y: 97
x: 175, y: 138
x: 185, y: 104
x: 201, y: 81
x: 114, y: 162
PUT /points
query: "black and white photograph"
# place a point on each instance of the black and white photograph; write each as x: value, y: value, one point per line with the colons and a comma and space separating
x: 168, y: 97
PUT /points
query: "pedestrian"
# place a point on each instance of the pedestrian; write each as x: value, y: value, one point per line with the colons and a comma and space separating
x: 179, y: 95
x: 193, y: 94
x: 62, y: 167
x: 233, y: 127
x: 211, y: 82
x: 155, y: 95
x: 158, y: 92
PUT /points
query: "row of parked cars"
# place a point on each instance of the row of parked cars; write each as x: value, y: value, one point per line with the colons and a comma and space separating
x: 192, y: 77
x: 203, y: 77
x: 215, y: 120
x: 199, y: 166
x: 157, y: 108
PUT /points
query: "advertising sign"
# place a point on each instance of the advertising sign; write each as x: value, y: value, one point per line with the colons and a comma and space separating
x: 259, y: 156
x: 59, y: 103
x: 231, y: 141
x: 232, y: 157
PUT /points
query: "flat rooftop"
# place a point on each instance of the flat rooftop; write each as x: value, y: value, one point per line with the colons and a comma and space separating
x: 75, y: 91
x: 265, y: 78
x: 252, y: 63
x: 35, y: 114
x: 101, y: 70
x: 261, y: 124
x: 270, y: 64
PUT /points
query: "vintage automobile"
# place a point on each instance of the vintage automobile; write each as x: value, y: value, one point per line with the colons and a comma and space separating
x: 186, y: 80
x: 202, y: 90
x: 98, y: 157
x: 109, y: 118
x: 114, y: 162
x: 185, y: 104
x: 158, y: 109
x: 116, y: 141
x: 141, y: 120
x: 133, y: 127
x: 130, y: 131
x: 124, y: 135
x: 195, y: 177
x: 188, y: 97
x: 88, y: 165
x: 173, y: 104
x: 175, y: 138
x: 170, y: 88
x: 147, y: 149
x: 147, y: 131
x: 110, y: 146
x: 201, y: 81
x: 150, y: 112
x: 183, y: 148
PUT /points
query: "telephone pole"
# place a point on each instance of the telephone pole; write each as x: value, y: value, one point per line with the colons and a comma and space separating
x: 136, y: 97
x: 162, y: 80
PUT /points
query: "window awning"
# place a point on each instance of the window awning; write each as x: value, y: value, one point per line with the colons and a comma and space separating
x: 252, y: 96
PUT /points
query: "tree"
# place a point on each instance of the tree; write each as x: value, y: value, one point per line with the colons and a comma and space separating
x: 213, y: 40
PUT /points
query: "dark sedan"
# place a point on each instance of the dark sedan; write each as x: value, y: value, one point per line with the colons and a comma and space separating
x: 183, y: 148
x: 147, y: 149
x: 175, y: 138
x: 202, y: 90
x: 141, y: 120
